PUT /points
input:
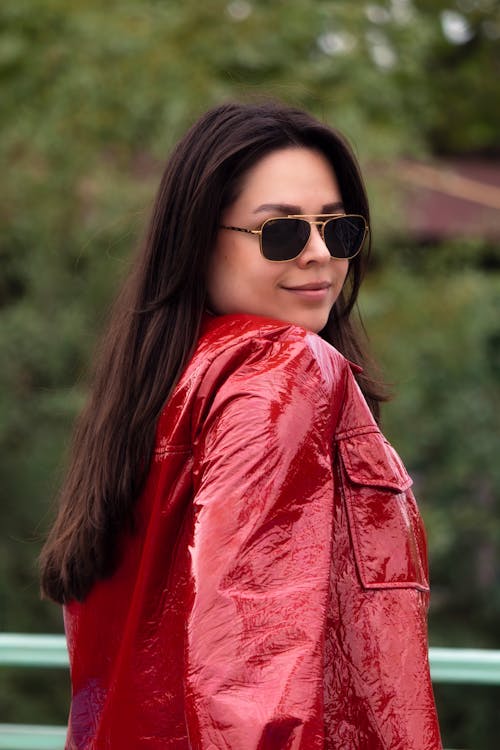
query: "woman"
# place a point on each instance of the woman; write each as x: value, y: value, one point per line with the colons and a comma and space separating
x: 240, y: 557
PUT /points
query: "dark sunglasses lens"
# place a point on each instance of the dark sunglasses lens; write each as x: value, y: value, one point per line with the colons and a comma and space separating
x: 344, y: 235
x: 283, y: 239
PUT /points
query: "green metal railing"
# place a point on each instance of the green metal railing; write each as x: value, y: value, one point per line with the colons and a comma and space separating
x: 32, y: 651
x: 460, y: 665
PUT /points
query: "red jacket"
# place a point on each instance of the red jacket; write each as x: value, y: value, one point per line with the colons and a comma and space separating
x: 275, y: 593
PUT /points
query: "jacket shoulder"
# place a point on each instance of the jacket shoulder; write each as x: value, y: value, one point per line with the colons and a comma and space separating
x: 230, y: 341
x: 240, y: 355
x: 238, y: 328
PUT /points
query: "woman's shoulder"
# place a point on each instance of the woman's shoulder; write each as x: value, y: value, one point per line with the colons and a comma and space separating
x: 259, y: 360
x: 239, y: 337
x: 239, y: 328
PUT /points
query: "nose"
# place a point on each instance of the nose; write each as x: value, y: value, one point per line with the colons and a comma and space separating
x: 315, y: 250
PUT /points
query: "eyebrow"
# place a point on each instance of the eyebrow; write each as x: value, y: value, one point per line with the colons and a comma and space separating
x: 288, y: 209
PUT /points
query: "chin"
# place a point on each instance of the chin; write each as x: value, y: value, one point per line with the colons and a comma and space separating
x: 313, y: 323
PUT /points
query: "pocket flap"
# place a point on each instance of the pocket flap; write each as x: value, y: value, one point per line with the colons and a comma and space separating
x: 369, y: 459
x: 387, y: 532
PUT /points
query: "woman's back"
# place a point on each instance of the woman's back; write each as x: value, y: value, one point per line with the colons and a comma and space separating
x: 221, y: 625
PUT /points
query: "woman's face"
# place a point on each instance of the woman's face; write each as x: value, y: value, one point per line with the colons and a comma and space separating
x: 293, y: 180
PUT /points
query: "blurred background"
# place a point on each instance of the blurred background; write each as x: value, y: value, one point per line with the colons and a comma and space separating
x: 95, y: 94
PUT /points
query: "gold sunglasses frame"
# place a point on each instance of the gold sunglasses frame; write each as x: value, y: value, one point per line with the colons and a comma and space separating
x: 311, y: 222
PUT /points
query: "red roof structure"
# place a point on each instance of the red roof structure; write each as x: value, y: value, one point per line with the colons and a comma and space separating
x: 456, y: 198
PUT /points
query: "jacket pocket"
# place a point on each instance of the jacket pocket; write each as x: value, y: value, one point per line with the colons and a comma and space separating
x: 386, y: 528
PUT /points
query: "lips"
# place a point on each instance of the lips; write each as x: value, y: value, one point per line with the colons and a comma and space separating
x: 312, y: 286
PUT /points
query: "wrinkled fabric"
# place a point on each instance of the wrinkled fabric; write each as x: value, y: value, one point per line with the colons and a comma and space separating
x: 274, y: 595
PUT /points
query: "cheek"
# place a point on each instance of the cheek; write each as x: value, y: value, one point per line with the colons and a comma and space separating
x: 216, y: 278
x: 340, y: 277
x: 239, y: 278
x: 223, y: 278
x: 343, y: 271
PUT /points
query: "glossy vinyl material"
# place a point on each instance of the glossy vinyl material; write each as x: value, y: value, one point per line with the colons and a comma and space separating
x: 275, y: 594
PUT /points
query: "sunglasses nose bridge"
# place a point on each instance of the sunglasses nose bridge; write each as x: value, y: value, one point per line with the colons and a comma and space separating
x: 319, y: 227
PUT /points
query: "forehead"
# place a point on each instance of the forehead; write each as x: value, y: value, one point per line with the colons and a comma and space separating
x: 290, y: 175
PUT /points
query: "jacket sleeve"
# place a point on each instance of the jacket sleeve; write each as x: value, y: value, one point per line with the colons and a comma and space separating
x: 260, y: 555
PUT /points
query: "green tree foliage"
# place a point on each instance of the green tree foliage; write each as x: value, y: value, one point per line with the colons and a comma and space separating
x: 464, y: 53
x: 93, y: 97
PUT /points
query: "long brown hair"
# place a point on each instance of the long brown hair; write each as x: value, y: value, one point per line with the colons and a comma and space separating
x: 155, y: 326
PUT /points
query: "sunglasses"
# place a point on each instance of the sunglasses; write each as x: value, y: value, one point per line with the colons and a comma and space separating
x: 284, y: 237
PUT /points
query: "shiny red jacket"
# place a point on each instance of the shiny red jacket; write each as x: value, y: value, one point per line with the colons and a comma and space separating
x: 275, y: 593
